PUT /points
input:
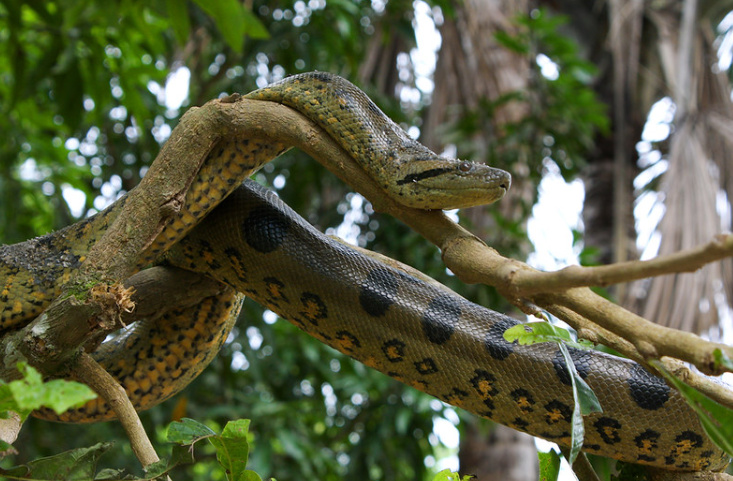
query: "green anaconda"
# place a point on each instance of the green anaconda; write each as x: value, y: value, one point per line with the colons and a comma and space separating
x: 411, y: 330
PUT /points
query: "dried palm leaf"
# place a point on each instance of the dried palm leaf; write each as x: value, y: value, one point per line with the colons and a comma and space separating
x: 700, y: 171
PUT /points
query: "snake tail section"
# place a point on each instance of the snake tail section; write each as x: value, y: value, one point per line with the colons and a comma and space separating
x: 436, y: 341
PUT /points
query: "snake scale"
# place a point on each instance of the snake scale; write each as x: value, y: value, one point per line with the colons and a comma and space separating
x: 385, y: 317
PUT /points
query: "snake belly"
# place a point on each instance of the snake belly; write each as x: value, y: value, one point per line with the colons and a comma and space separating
x: 436, y: 341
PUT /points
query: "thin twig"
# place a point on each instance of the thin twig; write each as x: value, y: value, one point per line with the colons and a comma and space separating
x: 689, y: 260
x: 89, y: 372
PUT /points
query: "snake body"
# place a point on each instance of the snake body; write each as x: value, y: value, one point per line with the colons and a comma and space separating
x: 425, y: 336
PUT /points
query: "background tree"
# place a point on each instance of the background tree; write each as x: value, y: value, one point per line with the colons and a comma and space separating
x: 84, y: 112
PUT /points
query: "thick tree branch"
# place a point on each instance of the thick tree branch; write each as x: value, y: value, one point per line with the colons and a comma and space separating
x: 154, y: 292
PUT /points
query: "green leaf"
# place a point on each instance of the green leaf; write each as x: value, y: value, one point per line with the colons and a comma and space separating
x: 19, y: 472
x: 549, y: 465
x: 448, y: 475
x: 4, y: 447
x: 514, y: 43
x: 229, y: 18
x: 232, y: 448
x: 109, y: 474
x: 586, y: 401
x: 249, y: 475
x: 578, y: 429
x: 30, y: 393
x: 77, y: 464
x: 156, y: 469
x: 542, y: 331
x: 716, y: 419
x: 253, y: 27
x: 178, y: 13
x: 187, y: 431
x: 238, y: 429
x: 181, y: 454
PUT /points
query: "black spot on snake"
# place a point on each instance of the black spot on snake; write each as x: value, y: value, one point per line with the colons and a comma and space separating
x: 483, y: 384
x: 646, y: 443
x: 378, y: 292
x: 688, y: 440
x: 454, y: 396
x: 498, y: 347
x: 581, y: 360
x: 394, y: 350
x: 235, y: 259
x: 704, y: 463
x: 426, y: 366
x: 314, y: 309
x: 519, y: 423
x: 265, y: 229
x: 647, y: 390
x: 523, y: 399
x: 557, y: 412
x: 275, y: 289
x: 440, y: 319
x: 348, y: 341
x: 608, y: 429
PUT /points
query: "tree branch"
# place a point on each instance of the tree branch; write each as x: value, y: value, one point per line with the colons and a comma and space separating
x: 154, y: 292
x: 87, y: 370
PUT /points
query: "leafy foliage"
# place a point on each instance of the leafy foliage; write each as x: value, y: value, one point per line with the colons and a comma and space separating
x: 30, y: 393
x: 565, y: 114
x: 549, y: 466
x: 231, y: 447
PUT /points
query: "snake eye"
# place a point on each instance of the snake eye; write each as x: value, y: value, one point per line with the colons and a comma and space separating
x: 465, y: 167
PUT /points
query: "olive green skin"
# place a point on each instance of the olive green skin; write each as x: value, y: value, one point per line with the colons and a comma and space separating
x: 408, y: 171
x: 421, y: 334
x: 424, y: 336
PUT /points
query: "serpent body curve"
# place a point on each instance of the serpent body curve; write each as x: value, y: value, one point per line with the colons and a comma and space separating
x: 435, y: 340
x: 428, y: 338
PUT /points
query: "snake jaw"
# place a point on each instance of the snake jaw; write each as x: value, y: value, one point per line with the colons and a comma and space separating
x: 449, y: 184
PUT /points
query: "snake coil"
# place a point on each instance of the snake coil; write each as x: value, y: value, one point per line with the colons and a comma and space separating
x: 425, y: 336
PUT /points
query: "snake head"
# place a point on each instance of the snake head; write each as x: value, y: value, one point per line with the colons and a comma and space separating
x: 439, y: 183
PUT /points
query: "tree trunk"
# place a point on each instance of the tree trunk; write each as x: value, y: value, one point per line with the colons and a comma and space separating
x: 504, y: 454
